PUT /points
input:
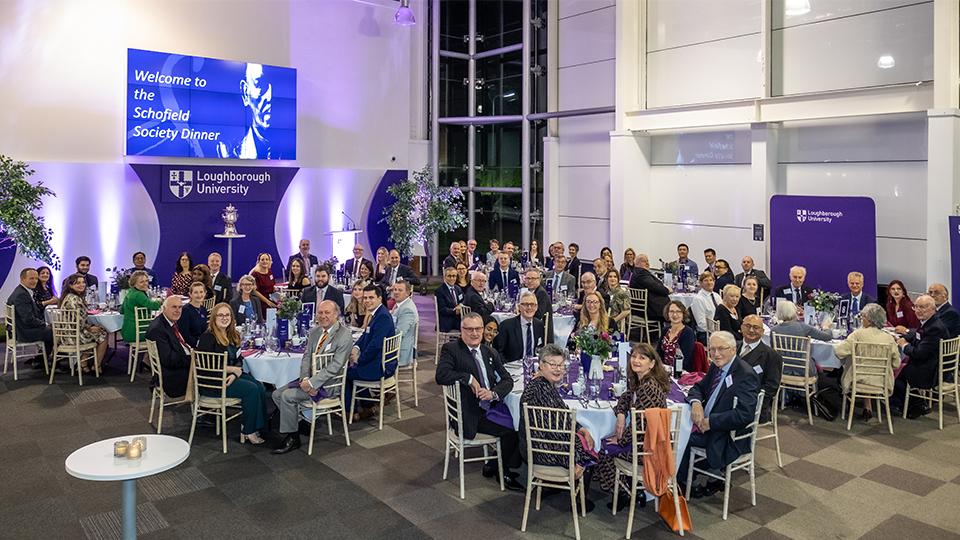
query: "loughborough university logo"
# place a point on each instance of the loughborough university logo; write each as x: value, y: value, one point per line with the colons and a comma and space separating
x: 801, y: 214
x: 181, y: 183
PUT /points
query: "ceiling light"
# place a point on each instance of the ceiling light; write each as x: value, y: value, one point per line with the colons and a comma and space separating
x: 404, y: 15
x: 886, y: 62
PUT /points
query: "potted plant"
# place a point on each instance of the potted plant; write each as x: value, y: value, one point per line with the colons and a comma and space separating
x: 19, y: 201
x: 422, y: 211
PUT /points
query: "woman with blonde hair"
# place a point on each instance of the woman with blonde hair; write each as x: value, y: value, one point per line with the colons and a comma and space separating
x: 594, y: 313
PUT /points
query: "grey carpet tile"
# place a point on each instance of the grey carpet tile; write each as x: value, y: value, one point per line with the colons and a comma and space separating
x: 109, y: 525
x: 817, y: 475
x: 904, y: 480
x: 172, y: 483
x: 92, y: 395
x: 898, y: 527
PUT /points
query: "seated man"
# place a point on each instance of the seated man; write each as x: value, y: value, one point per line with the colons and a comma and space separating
x: 749, y: 270
x: 521, y: 336
x: 763, y: 359
x: 322, y: 290
x: 658, y: 295
x: 472, y: 298
x: 599, y: 268
x: 449, y: 297
x: 532, y: 282
x: 222, y: 284
x: 683, y: 260
x: 473, y: 258
x: 396, y: 271
x: 503, y: 276
x: 710, y: 255
x: 351, y: 268
x: 922, y: 348
x: 561, y: 281
x: 453, y: 257
x: 173, y: 351
x: 856, y: 296
x: 27, y: 316
x: 724, y: 277
x: 796, y: 292
x: 483, y: 382
x: 309, y: 259
x: 329, y: 336
x: 366, y: 358
x: 405, y: 319
x: 713, y: 412
x: 791, y: 326
x: 948, y: 315
x: 83, y: 268
x: 588, y: 283
x: 140, y: 263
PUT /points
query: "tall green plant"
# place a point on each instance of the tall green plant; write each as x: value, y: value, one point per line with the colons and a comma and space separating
x: 423, y: 209
x: 19, y: 201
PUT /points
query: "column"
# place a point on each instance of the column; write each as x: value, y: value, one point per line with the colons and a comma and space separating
x: 943, y: 186
x: 764, y: 184
x: 630, y: 193
x: 551, y: 191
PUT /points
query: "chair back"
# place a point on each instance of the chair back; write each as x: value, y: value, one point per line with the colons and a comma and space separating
x: 142, y: 321
x: 66, y: 327
x: 416, y: 340
x: 871, y: 364
x: 391, y: 349
x: 550, y: 432
x: 209, y: 371
x: 10, y: 318
x: 713, y: 325
x: 453, y: 408
x: 464, y: 311
x: 638, y: 427
x: 751, y: 429
x: 155, y: 361
x: 209, y: 303
x: 436, y: 312
x: 337, y: 381
x: 795, y: 351
x: 949, y: 354
x: 638, y: 301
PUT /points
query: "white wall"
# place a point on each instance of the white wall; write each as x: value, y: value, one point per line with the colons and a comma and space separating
x: 62, y: 83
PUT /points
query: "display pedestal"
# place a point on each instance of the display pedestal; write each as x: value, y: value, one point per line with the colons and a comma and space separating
x: 343, y: 242
x: 230, y: 238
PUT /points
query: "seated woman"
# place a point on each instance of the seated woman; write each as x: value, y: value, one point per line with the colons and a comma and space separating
x: 751, y: 298
x: 629, y: 264
x: 491, y: 329
x: 74, y: 298
x: 356, y: 311
x: 647, y: 385
x: 899, y: 307
x: 297, y: 279
x: 193, y: 319
x: 790, y: 326
x: 874, y: 317
x: 136, y: 297
x: 246, y: 305
x: 723, y: 275
x: 541, y: 391
x: 221, y: 336
x: 463, y: 276
x: 183, y: 277
x: 201, y: 274
x: 265, y: 282
x: 536, y: 258
x: 705, y: 305
x: 726, y: 313
x: 366, y: 274
x: 44, y: 294
x: 588, y: 283
x: 383, y: 261
x: 678, y: 337
x: 594, y: 313
x: 619, y: 299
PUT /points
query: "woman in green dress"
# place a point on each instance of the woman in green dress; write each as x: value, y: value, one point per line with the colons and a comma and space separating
x: 136, y: 297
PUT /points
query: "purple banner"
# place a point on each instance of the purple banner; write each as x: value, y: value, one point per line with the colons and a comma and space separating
x: 224, y: 184
x: 829, y: 236
x: 954, y: 255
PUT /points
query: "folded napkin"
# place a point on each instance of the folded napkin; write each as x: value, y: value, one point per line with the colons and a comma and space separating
x: 94, y: 312
x: 249, y: 352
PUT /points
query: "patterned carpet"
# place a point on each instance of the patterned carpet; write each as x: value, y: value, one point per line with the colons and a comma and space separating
x: 864, y: 483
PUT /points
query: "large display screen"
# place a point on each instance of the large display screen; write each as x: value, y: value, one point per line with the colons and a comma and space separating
x: 189, y: 106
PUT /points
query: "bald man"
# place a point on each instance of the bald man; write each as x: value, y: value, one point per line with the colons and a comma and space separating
x: 352, y: 267
x: 922, y: 348
x: 948, y: 315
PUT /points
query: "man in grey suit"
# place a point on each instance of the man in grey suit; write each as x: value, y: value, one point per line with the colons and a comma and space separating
x: 560, y: 280
x: 405, y: 319
x: 328, y: 337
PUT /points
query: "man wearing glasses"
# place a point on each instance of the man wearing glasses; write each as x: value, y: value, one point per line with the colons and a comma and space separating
x: 472, y: 297
x: 763, y: 359
x: 483, y: 383
x: 948, y: 315
x: 173, y: 351
x: 713, y: 411
x: 532, y: 282
x: 922, y: 348
x: 521, y: 336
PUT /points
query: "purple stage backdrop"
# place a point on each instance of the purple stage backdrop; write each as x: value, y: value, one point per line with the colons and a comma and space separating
x: 190, y: 200
x: 954, y: 256
x: 829, y: 236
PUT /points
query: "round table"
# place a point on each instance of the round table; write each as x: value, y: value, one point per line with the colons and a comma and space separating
x: 277, y: 368
x: 111, y: 321
x: 96, y: 462
x: 684, y: 298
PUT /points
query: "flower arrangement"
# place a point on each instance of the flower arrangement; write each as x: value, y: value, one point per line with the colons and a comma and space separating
x: 594, y: 343
x: 120, y: 279
x: 330, y: 264
x: 673, y: 267
x: 288, y: 307
x: 823, y: 300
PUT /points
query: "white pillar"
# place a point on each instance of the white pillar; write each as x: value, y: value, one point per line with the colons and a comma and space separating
x: 630, y: 193
x: 943, y: 187
x: 551, y: 191
x: 764, y: 184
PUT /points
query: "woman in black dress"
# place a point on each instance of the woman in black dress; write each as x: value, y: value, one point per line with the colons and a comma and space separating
x: 727, y: 314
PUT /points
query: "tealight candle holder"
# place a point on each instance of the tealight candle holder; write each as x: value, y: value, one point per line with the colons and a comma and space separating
x: 142, y: 441
x: 120, y: 448
x: 133, y: 451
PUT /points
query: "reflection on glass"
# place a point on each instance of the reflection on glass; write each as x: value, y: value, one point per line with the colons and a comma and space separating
x: 885, y: 62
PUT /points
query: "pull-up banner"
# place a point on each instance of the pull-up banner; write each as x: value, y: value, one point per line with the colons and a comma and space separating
x: 829, y: 236
x: 954, y: 255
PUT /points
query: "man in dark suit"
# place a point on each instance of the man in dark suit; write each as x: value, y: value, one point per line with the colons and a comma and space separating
x: 173, y: 351
x: 948, y: 315
x: 396, y: 271
x: 27, y: 316
x: 322, y: 290
x: 83, y: 268
x: 658, y: 295
x: 449, y: 298
x: 856, y: 296
x: 352, y: 267
x: 367, y: 355
x: 922, y: 348
x: 503, y: 276
x: 796, y: 292
x: 749, y: 270
x: 473, y: 258
x: 763, y: 359
x: 573, y: 265
x: 222, y: 285
x: 713, y: 412
x: 472, y: 297
x: 309, y: 259
x: 483, y: 382
x: 561, y: 281
x: 521, y: 336
x: 532, y: 282
x: 453, y: 257
x: 723, y: 275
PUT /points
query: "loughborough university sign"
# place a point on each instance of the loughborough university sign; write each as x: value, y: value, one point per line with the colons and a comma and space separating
x: 218, y: 184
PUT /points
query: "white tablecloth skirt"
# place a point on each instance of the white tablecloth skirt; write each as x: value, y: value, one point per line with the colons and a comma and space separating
x: 276, y: 369
x: 109, y: 320
x: 684, y: 298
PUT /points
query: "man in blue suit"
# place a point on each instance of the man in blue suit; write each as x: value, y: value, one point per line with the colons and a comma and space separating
x: 449, y: 298
x: 367, y: 356
x: 713, y: 412
x: 856, y: 296
x: 503, y: 275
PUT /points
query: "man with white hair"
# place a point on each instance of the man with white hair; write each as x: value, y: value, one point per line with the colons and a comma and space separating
x: 521, y: 336
x: 173, y: 350
x: 948, y: 315
x: 724, y: 400
x: 796, y: 291
x: 453, y: 257
x: 922, y: 348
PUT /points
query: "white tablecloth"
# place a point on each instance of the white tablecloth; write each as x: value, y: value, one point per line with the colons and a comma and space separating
x: 684, y: 298
x: 501, y: 316
x: 820, y: 351
x: 109, y: 320
x: 277, y: 369
x: 562, y: 327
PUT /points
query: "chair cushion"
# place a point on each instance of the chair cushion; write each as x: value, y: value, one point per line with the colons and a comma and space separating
x: 551, y: 473
x: 796, y: 380
x: 626, y: 467
x: 214, y: 402
x: 480, y: 439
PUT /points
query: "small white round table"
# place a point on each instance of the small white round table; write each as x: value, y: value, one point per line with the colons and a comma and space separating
x: 96, y: 462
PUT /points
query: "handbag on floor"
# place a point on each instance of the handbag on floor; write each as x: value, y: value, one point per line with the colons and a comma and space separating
x: 668, y: 511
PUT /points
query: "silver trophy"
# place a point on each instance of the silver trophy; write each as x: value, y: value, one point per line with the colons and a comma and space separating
x: 230, y: 215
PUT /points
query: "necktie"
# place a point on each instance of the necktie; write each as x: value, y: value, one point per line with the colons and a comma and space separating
x: 529, y: 352
x: 182, y: 342
x: 716, y: 381
x: 485, y: 405
x: 390, y: 275
x: 320, y: 344
x: 556, y: 282
x: 713, y: 299
x: 504, y: 281
x: 856, y: 306
x: 453, y: 295
x: 747, y: 347
x: 796, y: 296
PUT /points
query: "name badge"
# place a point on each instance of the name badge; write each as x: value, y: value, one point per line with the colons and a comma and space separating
x: 758, y: 369
x: 217, y: 287
x: 366, y: 330
x: 728, y: 381
x: 563, y: 287
x: 242, y: 309
x: 899, y: 314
